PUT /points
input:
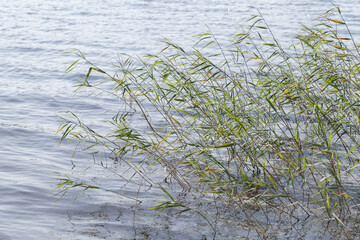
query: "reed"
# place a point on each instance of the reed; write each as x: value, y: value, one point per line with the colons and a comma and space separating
x: 271, y: 133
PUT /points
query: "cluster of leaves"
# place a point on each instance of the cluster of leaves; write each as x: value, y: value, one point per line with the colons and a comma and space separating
x: 254, y: 124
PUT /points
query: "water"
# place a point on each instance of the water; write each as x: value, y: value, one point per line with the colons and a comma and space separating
x: 33, y: 88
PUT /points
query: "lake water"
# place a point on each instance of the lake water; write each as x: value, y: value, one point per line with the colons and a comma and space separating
x: 33, y: 88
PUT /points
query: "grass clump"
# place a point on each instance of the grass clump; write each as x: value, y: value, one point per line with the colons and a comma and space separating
x: 272, y: 133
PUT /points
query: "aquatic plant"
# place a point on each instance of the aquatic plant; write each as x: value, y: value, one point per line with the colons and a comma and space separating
x: 271, y: 132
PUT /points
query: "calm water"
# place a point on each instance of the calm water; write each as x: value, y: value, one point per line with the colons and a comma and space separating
x: 33, y: 88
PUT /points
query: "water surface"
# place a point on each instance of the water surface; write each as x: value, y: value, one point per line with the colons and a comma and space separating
x: 33, y: 88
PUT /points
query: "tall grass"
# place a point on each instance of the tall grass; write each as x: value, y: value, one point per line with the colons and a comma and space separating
x: 273, y: 133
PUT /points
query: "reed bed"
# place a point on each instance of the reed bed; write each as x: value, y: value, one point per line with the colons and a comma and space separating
x: 270, y: 132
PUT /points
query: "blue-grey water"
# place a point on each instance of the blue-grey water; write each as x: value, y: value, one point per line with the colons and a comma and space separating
x: 34, y: 36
